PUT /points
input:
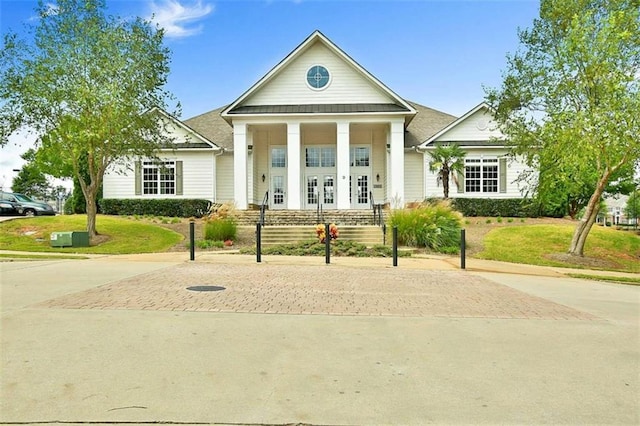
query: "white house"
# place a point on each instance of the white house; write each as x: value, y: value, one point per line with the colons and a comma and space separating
x: 319, y: 129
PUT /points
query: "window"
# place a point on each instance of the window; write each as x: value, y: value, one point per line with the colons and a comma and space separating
x: 159, y: 177
x: 359, y: 156
x: 320, y: 157
x: 481, y: 175
x: 278, y: 157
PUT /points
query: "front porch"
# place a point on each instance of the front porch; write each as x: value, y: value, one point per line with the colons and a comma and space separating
x: 328, y: 165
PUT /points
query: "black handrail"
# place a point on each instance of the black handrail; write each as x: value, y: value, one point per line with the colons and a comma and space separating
x: 377, y: 210
x: 319, y: 214
x: 263, y: 207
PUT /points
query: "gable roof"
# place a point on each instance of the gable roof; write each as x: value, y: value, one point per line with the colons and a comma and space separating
x: 425, y: 124
x: 200, y: 141
x: 398, y: 105
x: 429, y: 142
x: 213, y: 127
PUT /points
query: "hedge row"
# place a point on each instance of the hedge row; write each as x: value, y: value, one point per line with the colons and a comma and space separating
x: 515, y: 207
x: 155, y: 207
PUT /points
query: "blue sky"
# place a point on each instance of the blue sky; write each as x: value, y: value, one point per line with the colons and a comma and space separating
x: 436, y: 53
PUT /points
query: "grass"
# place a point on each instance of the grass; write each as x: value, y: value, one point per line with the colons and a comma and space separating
x: 37, y: 257
x: 123, y: 236
x: 606, y: 249
x: 623, y: 280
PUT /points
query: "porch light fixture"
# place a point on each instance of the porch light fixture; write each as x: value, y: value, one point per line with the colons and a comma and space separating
x: 378, y: 177
x: 263, y: 177
x: 249, y: 148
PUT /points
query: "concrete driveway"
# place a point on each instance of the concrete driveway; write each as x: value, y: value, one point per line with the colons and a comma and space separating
x: 123, y: 339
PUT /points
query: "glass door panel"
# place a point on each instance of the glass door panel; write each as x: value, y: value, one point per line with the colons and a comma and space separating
x: 362, y: 191
x: 328, y: 191
x: 312, y: 190
x: 278, y: 200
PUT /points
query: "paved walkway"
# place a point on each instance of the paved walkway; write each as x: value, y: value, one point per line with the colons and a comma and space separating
x: 292, y: 340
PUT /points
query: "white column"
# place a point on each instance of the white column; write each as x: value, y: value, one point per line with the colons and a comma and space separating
x: 240, y: 165
x: 343, y: 170
x: 293, y: 166
x: 396, y: 194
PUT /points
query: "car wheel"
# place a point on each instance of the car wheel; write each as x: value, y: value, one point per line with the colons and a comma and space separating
x: 30, y: 212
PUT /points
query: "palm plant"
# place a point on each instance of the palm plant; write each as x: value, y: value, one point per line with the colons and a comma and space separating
x: 447, y: 160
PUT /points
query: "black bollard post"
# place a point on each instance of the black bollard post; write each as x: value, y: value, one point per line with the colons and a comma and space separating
x: 327, y: 244
x: 258, y: 242
x: 384, y: 234
x: 192, y: 239
x: 395, y: 246
x: 463, y: 248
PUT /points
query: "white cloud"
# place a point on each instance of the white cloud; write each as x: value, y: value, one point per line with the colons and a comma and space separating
x: 178, y: 18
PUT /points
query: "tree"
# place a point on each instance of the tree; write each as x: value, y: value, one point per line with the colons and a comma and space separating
x: 447, y: 160
x: 32, y: 182
x: 87, y: 84
x: 570, y: 95
x: 632, y: 209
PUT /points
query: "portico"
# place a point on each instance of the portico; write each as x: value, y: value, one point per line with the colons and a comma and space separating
x: 331, y: 162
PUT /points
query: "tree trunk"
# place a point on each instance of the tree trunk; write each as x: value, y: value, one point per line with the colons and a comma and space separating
x: 445, y: 183
x: 584, y: 226
x: 92, y: 211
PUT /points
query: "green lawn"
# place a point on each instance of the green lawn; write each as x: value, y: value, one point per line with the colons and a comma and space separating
x: 606, y: 248
x: 125, y: 236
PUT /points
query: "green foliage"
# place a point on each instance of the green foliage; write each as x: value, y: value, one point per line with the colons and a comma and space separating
x: 435, y: 226
x: 123, y: 236
x: 220, y: 230
x: 512, y: 207
x: 632, y: 209
x: 544, y: 245
x: 207, y: 244
x: 447, y: 160
x: 85, y: 82
x: 31, y: 182
x: 162, y: 207
x: 570, y: 97
x: 344, y: 248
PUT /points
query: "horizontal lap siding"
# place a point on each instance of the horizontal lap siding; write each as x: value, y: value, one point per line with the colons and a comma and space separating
x: 197, y: 178
x: 290, y: 87
x: 514, y: 169
x: 413, y: 176
x: 224, y: 178
x: 477, y: 127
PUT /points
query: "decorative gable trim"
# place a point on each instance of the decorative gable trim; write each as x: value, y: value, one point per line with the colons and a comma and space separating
x: 200, y: 141
x: 429, y: 142
x: 309, y: 41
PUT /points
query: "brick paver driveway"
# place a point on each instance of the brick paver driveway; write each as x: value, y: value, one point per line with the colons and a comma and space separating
x: 312, y: 289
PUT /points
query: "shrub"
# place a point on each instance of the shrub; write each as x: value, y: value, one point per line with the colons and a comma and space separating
x: 155, y: 207
x: 220, y: 230
x: 432, y: 225
x: 513, y: 207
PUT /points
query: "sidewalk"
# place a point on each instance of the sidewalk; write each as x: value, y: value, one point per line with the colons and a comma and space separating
x: 121, y: 339
x: 428, y: 262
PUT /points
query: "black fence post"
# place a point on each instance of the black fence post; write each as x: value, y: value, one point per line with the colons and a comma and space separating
x: 258, y: 242
x: 327, y: 244
x: 395, y: 246
x: 192, y: 240
x: 463, y: 249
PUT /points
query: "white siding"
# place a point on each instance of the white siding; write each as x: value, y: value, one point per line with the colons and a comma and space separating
x: 514, y: 168
x: 289, y: 87
x: 197, y: 177
x: 224, y: 178
x: 479, y: 126
x: 413, y: 176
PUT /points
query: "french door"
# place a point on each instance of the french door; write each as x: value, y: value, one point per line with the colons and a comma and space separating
x: 320, y: 189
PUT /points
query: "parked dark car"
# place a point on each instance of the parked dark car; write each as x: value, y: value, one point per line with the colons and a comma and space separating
x: 29, y: 207
x: 10, y: 208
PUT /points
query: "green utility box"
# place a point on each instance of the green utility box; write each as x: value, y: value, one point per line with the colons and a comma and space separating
x: 70, y: 239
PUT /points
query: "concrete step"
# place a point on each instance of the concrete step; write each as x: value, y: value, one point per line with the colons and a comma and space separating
x: 274, y: 235
x: 307, y: 217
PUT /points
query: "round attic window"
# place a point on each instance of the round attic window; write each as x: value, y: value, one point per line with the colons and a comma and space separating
x: 318, y: 77
x: 482, y: 124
